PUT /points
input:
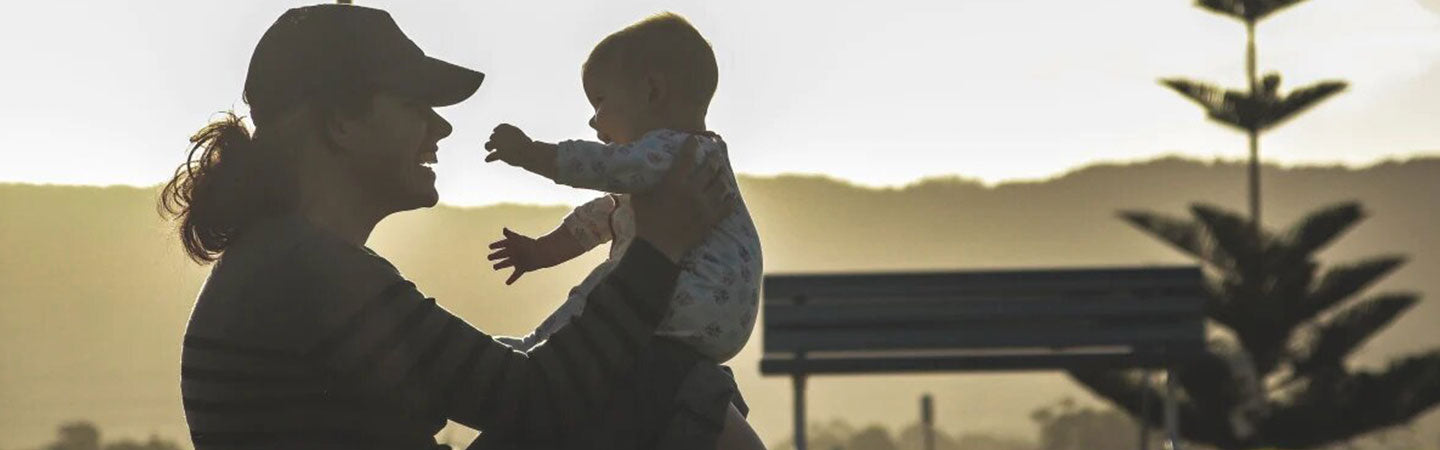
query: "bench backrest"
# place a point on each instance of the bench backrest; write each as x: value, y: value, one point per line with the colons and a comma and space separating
x: 1002, y: 319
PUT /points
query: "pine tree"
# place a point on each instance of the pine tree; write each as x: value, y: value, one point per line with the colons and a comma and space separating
x: 1261, y: 106
x: 1274, y: 373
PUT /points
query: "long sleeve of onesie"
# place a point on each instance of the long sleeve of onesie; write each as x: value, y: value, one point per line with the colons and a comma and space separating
x: 622, y: 169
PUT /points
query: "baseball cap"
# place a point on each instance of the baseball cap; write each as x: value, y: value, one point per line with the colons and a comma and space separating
x: 311, y: 49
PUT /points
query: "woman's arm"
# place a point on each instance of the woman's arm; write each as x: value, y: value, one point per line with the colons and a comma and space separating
x: 403, y: 350
x: 559, y: 384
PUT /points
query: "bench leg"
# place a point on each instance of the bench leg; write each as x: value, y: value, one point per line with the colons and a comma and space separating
x: 1145, y: 377
x: 1172, y: 411
x: 927, y: 420
x: 799, y: 382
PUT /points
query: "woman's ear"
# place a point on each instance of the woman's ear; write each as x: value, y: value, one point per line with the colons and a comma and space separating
x: 339, y: 130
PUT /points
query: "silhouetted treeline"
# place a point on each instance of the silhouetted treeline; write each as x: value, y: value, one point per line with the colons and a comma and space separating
x: 83, y: 435
x: 1063, y: 425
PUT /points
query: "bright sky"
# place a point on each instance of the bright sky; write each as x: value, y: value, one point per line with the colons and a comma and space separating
x: 880, y: 93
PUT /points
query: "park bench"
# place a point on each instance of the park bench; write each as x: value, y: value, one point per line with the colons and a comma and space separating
x: 994, y: 320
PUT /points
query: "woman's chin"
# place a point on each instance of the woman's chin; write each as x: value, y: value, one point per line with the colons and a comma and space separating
x: 426, y: 195
x: 420, y: 192
x: 419, y: 200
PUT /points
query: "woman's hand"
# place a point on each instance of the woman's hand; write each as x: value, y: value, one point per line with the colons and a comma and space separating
x: 679, y: 212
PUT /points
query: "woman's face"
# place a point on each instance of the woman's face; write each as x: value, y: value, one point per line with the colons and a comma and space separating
x: 389, y: 151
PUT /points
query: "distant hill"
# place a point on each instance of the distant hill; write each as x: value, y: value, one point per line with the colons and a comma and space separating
x: 94, y: 291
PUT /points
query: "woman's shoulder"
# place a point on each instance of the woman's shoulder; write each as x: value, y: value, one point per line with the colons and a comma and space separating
x: 291, y: 250
x: 268, y: 241
x: 283, y: 276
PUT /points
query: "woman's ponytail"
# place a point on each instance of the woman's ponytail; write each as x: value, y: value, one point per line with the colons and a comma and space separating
x: 223, y: 186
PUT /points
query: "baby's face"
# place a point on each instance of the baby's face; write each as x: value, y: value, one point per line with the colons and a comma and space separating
x: 621, y: 110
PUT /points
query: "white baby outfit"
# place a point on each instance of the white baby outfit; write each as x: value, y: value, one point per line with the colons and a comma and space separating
x: 717, y: 295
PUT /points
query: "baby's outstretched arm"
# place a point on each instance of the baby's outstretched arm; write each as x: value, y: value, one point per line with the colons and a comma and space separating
x: 507, y: 143
x: 627, y: 168
x: 526, y: 254
x: 584, y: 228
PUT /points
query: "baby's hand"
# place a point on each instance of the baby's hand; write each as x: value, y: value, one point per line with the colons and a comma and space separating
x: 507, y: 143
x: 518, y: 251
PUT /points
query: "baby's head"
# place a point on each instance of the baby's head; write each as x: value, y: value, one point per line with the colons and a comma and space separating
x: 657, y: 73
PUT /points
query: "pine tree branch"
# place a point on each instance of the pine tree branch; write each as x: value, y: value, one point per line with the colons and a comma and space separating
x: 1127, y: 390
x: 1343, y: 281
x: 1277, y: 112
x: 1233, y: 234
x: 1331, y: 342
x: 1184, y: 235
x: 1246, y: 10
x: 1335, y: 406
x: 1315, y: 231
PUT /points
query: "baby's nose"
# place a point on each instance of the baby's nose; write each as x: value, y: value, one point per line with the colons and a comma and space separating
x: 598, y: 134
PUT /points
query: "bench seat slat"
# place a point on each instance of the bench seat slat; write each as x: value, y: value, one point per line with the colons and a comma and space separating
x: 981, y: 282
x: 903, y: 311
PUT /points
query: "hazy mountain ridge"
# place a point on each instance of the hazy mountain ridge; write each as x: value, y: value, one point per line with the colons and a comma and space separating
x: 96, y: 290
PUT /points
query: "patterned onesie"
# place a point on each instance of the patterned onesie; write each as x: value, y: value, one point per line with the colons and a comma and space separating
x: 716, y: 296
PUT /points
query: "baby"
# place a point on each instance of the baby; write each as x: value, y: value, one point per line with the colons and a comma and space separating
x: 650, y: 85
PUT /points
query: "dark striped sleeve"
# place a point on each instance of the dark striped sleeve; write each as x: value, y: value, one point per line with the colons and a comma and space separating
x: 403, y: 349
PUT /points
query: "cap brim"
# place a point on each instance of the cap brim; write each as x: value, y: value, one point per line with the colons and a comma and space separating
x: 438, y: 82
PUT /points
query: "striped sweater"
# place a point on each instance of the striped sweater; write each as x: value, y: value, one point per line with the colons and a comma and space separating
x: 300, y: 340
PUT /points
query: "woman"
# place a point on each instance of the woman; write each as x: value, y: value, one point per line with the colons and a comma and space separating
x: 304, y: 338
